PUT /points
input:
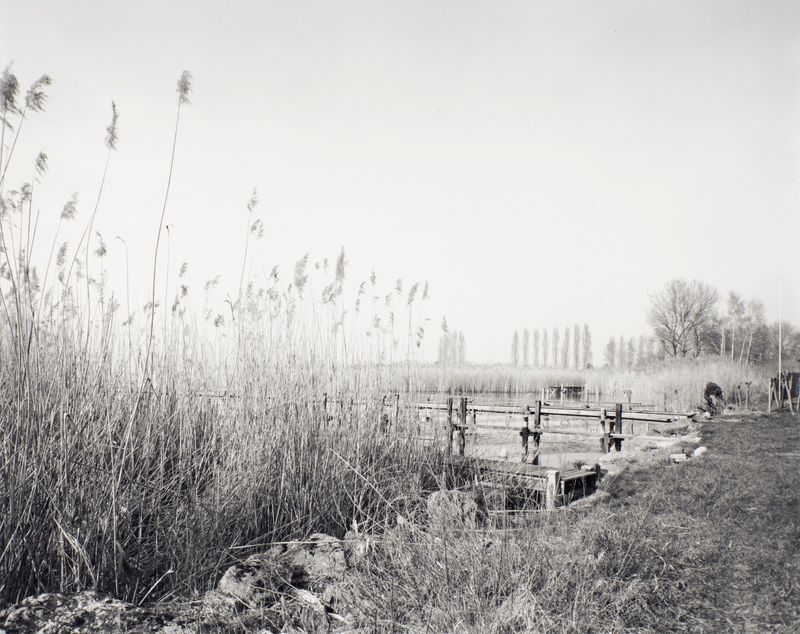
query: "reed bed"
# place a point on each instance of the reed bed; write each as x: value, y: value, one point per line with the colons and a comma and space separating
x: 672, y: 385
x: 140, y: 454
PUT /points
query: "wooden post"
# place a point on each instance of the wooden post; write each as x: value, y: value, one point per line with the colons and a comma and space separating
x: 552, y: 476
x: 769, y: 397
x: 397, y: 410
x: 788, y: 385
x: 462, y: 429
x: 537, y: 431
x: 618, y: 421
x: 449, y: 425
x: 525, y: 434
x: 604, y: 441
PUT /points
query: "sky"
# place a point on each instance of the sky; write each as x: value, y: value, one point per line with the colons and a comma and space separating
x: 538, y: 163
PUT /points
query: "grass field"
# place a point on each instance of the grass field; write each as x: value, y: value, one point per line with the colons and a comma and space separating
x: 707, y: 545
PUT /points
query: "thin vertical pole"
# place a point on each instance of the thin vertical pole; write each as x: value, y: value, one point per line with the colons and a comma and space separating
x: 462, y: 429
x: 618, y: 421
x: 604, y: 441
x: 449, y: 425
x: 780, y: 336
x: 769, y: 398
x: 525, y: 433
x: 537, y: 431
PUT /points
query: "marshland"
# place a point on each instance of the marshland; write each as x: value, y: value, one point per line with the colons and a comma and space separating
x: 198, y: 374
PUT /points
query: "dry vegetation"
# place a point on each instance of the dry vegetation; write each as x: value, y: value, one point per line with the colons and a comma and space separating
x: 121, y: 468
x: 678, y: 384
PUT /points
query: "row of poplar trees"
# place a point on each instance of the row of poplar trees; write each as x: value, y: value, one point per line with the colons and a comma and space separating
x: 546, y: 348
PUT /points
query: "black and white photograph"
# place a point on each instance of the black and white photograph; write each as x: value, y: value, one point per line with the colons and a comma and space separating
x: 399, y: 316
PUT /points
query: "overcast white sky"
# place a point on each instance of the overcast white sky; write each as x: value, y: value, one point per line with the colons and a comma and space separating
x: 539, y: 163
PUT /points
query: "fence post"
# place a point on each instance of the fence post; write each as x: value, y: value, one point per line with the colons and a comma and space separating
x: 449, y: 425
x: 618, y: 421
x: 552, y: 476
x: 604, y: 441
x: 525, y: 434
x: 462, y: 431
x: 537, y: 431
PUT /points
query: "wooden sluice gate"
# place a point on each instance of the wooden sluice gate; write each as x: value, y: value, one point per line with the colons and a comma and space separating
x: 611, y: 426
x: 554, y: 487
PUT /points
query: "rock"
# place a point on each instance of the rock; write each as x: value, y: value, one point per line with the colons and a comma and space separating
x: 319, y: 559
x: 677, y: 457
x: 456, y: 509
x: 90, y: 613
x: 258, y: 579
x: 706, y: 415
x: 700, y: 451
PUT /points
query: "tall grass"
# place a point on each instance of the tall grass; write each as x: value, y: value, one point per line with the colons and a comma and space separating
x: 674, y: 385
x: 121, y: 467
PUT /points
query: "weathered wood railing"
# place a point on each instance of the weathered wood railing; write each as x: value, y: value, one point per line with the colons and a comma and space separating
x: 611, y: 422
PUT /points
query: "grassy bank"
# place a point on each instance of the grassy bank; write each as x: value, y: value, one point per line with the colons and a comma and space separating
x: 708, y: 545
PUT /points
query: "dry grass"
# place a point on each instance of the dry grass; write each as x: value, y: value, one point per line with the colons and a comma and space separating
x: 708, y: 545
x: 671, y: 385
x: 123, y: 472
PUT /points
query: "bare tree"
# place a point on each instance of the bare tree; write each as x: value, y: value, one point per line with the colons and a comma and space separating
x: 565, y: 357
x: 555, y: 347
x: 526, y: 338
x: 545, y: 347
x: 611, y: 351
x: 587, y: 346
x: 536, y: 357
x: 515, y: 348
x: 576, y: 346
x: 682, y: 316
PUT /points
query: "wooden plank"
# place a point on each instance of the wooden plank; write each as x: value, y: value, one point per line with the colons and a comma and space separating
x: 652, y: 417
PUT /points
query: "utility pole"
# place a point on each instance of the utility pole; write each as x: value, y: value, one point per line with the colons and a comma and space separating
x: 780, y: 339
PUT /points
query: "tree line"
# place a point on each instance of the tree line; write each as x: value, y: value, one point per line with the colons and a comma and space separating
x: 452, y: 346
x: 553, y: 348
x: 689, y: 320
